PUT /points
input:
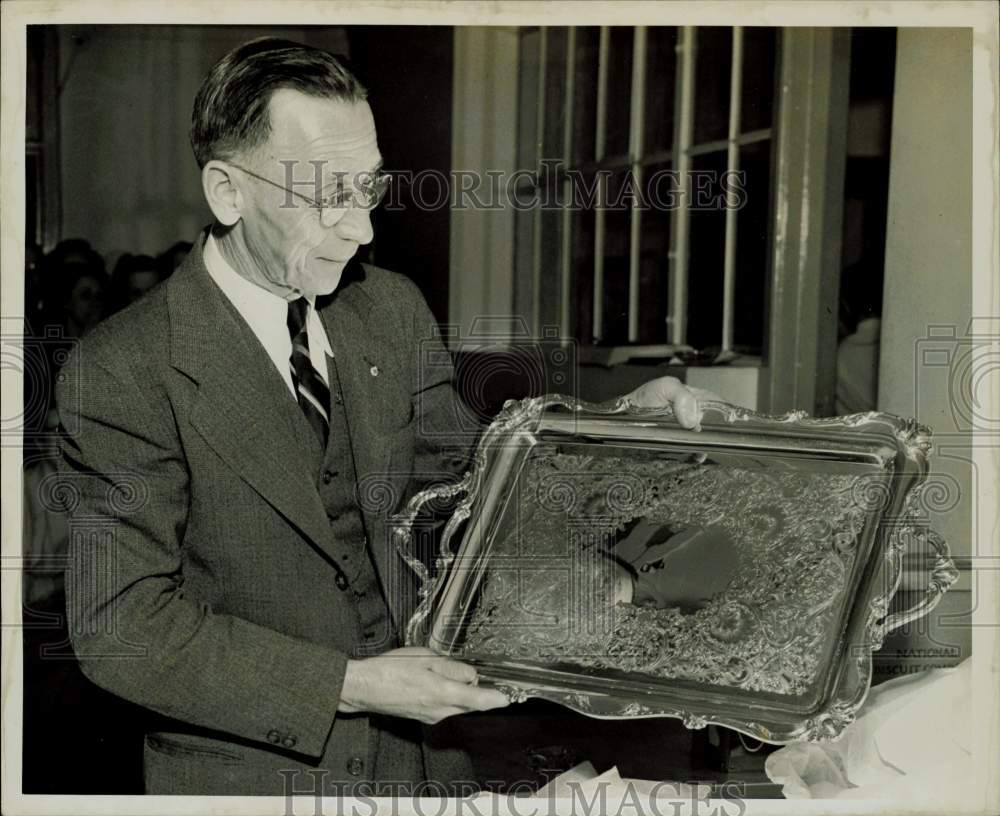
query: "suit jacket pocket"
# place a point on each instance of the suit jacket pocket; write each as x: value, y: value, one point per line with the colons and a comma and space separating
x: 185, y: 746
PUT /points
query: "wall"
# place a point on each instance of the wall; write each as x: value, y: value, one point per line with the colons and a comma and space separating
x: 129, y: 179
x: 928, y: 263
x: 928, y: 276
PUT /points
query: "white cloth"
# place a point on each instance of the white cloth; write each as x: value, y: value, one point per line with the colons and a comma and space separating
x: 910, y: 743
x: 267, y: 316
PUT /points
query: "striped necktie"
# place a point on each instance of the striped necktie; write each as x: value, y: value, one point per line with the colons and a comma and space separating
x: 312, y: 394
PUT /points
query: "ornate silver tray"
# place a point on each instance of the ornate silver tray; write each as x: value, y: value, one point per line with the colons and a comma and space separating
x: 605, y: 558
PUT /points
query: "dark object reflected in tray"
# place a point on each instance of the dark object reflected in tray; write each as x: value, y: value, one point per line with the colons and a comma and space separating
x: 605, y: 558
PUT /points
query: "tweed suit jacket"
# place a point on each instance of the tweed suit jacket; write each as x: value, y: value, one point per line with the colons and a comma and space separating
x: 202, y: 567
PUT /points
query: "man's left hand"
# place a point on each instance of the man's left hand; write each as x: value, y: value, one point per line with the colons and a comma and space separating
x: 669, y: 391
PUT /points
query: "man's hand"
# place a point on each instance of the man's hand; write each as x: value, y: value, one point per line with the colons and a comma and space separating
x: 414, y: 682
x: 670, y: 391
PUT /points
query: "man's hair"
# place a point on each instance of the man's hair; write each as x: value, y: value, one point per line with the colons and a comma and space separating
x: 230, y: 113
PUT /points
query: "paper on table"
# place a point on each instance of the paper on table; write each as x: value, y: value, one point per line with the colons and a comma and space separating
x: 579, y: 774
x: 583, y: 780
x: 582, y: 783
x: 911, y: 741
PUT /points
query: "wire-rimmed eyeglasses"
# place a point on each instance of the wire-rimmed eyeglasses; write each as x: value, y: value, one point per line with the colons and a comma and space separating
x: 372, y: 188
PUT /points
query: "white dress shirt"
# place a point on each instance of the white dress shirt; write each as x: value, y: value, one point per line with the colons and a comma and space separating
x: 267, y: 315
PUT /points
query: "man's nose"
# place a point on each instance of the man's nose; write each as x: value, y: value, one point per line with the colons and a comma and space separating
x: 355, y: 225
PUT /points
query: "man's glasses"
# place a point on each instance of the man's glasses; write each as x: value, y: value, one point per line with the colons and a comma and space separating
x: 370, y: 190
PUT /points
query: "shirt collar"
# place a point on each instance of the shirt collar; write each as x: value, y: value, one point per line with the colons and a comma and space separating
x: 252, y: 301
x: 258, y: 306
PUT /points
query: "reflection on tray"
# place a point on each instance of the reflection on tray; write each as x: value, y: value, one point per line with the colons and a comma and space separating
x: 607, y: 559
x: 722, y: 576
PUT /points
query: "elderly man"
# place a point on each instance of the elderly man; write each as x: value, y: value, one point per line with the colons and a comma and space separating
x: 226, y: 571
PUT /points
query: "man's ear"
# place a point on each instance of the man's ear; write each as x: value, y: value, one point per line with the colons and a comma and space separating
x: 221, y: 192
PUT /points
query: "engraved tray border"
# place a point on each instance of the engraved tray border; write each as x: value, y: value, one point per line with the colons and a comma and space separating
x: 903, y: 446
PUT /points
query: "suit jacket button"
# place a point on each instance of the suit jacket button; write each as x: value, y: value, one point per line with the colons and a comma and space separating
x: 328, y: 476
x: 289, y: 742
x: 341, y: 581
x: 355, y: 766
x: 273, y: 737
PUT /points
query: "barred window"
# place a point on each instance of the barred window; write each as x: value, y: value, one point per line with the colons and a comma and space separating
x: 651, y: 151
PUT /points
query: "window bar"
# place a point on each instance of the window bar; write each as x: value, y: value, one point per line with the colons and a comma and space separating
x: 603, y: 48
x: 566, y: 255
x: 732, y: 165
x: 748, y: 138
x: 680, y: 223
x: 536, y: 232
x: 636, y: 118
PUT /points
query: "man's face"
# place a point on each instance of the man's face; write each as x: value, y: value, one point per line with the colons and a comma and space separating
x: 85, y: 305
x: 289, y: 242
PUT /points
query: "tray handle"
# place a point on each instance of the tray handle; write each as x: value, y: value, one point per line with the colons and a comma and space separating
x: 402, y: 539
x: 943, y: 574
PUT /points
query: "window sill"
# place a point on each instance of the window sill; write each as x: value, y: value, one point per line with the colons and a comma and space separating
x: 669, y: 356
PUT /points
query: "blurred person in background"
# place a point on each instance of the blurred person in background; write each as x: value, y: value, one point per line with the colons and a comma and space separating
x: 66, y: 296
x: 134, y: 275
x: 172, y: 257
x: 76, y: 274
x: 85, y: 301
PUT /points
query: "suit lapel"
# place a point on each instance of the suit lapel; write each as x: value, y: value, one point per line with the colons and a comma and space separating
x: 358, y: 346
x: 349, y: 339
x: 243, y: 410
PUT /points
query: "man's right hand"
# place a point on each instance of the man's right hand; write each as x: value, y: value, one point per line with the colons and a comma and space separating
x: 414, y: 682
